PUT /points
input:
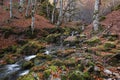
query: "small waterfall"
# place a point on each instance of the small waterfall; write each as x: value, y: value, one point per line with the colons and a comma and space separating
x: 47, y: 52
x: 72, y: 33
x: 28, y: 58
x: 14, y: 69
x: 24, y: 72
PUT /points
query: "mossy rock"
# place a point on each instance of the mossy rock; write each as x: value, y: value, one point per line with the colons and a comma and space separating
x: 11, y: 58
x: 50, y: 69
x: 76, y: 75
x: 27, y: 77
x: 57, y: 62
x: 65, y: 53
x: 11, y: 49
x: 109, y: 45
x: 53, y: 38
x: 31, y: 48
x: 70, y: 62
x: 27, y: 65
x: 43, y: 56
x: 71, y: 40
x: 46, y: 73
x: 111, y: 37
x: 93, y: 41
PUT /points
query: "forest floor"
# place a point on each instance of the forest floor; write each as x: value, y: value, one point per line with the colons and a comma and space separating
x: 60, y: 52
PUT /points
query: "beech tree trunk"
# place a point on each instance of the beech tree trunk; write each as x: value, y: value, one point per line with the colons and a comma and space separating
x: 28, y: 5
x: 96, y: 22
x: 33, y: 15
x: 53, y: 13
x: 21, y: 3
x: 59, y: 22
x: 11, y: 14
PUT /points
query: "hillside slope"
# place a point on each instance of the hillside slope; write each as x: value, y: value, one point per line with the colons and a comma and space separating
x: 19, y: 18
x: 111, y: 19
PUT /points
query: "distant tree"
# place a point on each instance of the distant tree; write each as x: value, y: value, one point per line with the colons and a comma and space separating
x: 33, y: 15
x: 11, y: 13
x: 28, y: 6
x: 96, y: 22
x: 53, y: 11
x: 60, y: 17
x: 21, y: 3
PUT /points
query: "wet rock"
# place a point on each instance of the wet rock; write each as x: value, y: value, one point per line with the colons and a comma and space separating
x: 27, y: 64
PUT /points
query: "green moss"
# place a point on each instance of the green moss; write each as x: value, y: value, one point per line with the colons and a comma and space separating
x: 50, y: 69
x: 93, y: 41
x: 65, y: 53
x: 76, y: 75
x: 109, y: 45
x: 11, y: 49
x: 58, y: 62
x: 27, y: 64
x: 27, y: 77
x: 53, y: 38
x: 70, y: 62
x: 44, y: 57
x: 46, y: 73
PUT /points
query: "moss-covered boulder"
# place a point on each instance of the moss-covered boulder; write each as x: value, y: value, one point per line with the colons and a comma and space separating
x: 27, y: 77
x: 27, y: 64
x: 111, y: 37
x: 93, y: 41
x: 71, y: 40
x: 53, y: 38
x: 65, y: 53
x: 78, y: 75
x: 71, y: 62
x: 41, y: 56
x: 109, y: 45
x: 50, y: 71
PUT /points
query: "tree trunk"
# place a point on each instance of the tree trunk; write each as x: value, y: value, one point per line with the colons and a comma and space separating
x: 59, y: 22
x: 21, y: 5
x: 11, y: 14
x: 33, y: 15
x: 26, y: 14
x: 53, y: 13
x: 96, y: 22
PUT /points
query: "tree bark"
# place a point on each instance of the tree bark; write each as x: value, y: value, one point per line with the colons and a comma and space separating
x: 11, y: 14
x: 28, y: 5
x: 96, y: 22
x: 59, y: 22
x: 33, y: 15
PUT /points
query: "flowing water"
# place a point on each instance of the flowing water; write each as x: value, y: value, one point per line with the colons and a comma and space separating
x: 12, y: 71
